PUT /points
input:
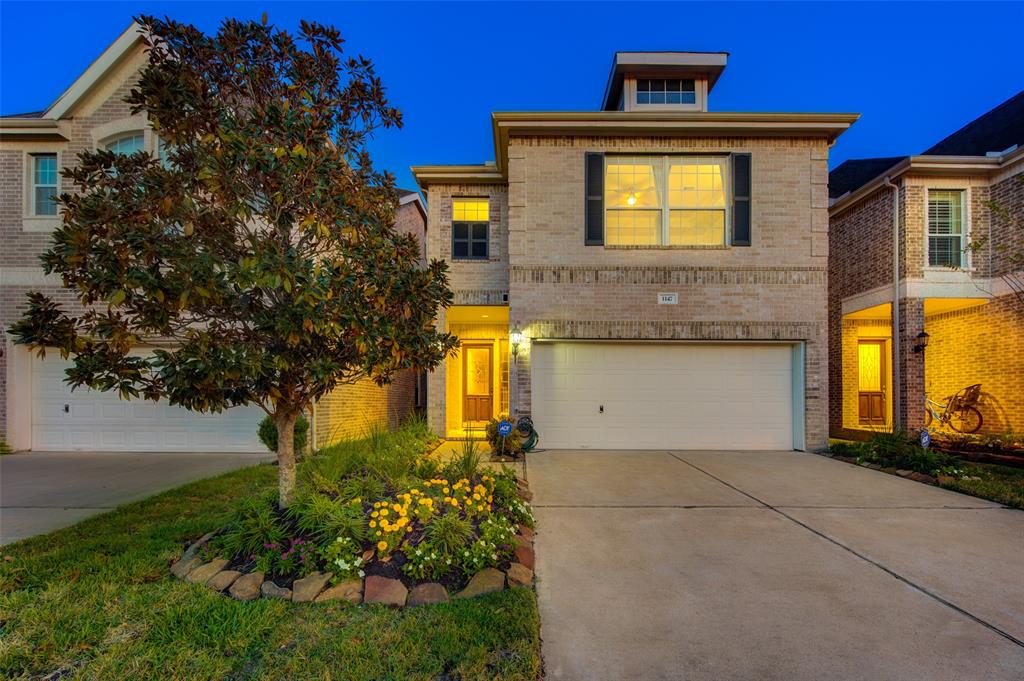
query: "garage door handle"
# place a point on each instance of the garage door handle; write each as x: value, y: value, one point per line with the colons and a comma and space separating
x: 600, y: 409
x: 67, y: 408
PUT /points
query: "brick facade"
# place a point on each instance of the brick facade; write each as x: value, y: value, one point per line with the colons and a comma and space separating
x: 558, y: 287
x: 99, y: 115
x: 980, y: 343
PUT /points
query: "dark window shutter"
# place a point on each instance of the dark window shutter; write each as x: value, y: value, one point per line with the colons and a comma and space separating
x: 741, y: 200
x: 595, y: 199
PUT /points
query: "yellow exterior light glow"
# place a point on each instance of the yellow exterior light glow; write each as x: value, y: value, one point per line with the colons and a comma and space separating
x: 470, y: 210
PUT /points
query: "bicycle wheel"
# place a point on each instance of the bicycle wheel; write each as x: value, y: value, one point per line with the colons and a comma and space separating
x: 966, y: 420
x: 927, y: 418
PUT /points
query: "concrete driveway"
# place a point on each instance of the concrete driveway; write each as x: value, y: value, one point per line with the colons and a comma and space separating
x: 769, y: 565
x: 44, y: 491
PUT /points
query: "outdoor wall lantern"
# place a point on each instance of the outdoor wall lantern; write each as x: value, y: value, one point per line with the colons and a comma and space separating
x: 515, y: 337
x: 922, y: 341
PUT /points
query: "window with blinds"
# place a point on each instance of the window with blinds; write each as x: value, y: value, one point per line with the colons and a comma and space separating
x: 945, y: 228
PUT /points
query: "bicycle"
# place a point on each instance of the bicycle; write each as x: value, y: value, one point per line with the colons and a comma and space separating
x: 959, y: 412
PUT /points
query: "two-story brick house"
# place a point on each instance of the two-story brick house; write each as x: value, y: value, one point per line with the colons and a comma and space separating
x: 37, y: 410
x: 648, y: 275
x: 900, y: 231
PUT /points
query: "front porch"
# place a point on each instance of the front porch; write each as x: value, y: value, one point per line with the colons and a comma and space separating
x: 476, y: 379
x: 965, y: 341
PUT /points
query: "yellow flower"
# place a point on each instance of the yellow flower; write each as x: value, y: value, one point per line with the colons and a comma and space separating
x: 402, y: 512
x: 426, y: 484
x: 373, y: 523
x: 415, y: 491
x: 409, y: 529
x: 396, y: 507
x: 374, y: 514
x: 383, y: 511
x: 382, y: 546
x: 476, y: 496
x: 446, y: 490
x: 377, y: 533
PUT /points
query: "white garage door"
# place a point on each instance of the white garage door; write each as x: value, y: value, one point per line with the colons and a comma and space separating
x: 662, y: 396
x: 101, y: 421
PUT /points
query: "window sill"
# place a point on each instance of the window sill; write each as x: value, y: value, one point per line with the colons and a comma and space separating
x: 36, y: 223
x: 477, y: 260
x: 622, y: 247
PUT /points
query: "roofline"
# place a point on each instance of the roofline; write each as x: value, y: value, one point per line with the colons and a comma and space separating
x: 661, y: 123
x: 97, y: 69
x: 30, y: 130
x: 416, y: 199
x: 930, y: 165
x: 483, y: 173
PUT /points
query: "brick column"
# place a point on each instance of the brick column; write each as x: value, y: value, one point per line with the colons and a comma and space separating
x: 911, y: 367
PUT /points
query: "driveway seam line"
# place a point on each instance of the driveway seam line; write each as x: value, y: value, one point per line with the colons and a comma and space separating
x: 953, y: 606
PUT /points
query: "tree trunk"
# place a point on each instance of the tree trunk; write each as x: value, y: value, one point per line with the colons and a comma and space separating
x: 285, y: 423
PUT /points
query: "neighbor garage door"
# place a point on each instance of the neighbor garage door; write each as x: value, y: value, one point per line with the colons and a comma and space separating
x: 100, y: 421
x: 662, y: 396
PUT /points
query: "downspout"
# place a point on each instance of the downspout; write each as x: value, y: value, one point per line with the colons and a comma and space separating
x: 896, y: 350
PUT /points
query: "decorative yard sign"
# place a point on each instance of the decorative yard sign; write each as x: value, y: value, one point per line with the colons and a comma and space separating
x: 505, y: 428
x: 668, y: 298
x: 926, y: 439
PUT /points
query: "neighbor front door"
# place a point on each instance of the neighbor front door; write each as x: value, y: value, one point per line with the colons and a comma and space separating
x: 477, y: 383
x: 871, y: 382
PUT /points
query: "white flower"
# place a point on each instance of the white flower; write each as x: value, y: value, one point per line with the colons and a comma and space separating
x: 362, y: 574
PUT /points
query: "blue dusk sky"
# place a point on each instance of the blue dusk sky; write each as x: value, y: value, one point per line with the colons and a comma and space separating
x: 915, y: 71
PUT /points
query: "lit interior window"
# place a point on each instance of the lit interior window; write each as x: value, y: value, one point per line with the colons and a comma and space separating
x: 470, y: 210
x: 636, y: 196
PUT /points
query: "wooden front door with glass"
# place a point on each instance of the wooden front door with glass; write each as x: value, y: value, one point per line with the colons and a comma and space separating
x: 477, y: 383
x: 871, y: 404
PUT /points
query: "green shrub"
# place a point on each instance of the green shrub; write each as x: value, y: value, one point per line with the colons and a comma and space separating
x: 466, y: 464
x: 268, y: 433
x: 447, y: 533
x: 365, y: 487
x: 5, y: 448
x: 897, y: 449
x: 255, y: 525
x: 509, y: 445
x: 344, y: 559
x: 325, y: 519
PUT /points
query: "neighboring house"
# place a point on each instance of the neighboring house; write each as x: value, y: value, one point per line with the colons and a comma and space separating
x: 962, y: 303
x: 651, y: 275
x: 37, y: 410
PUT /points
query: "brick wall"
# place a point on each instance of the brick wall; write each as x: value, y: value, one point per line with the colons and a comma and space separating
x: 560, y: 288
x: 982, y: 344
x: 351, y: 410
x: 1008, y: 193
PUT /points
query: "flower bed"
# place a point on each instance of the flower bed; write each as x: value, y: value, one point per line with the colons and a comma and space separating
x: 378, y: 521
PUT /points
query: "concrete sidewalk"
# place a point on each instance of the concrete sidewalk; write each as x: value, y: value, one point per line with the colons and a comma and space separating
x: 43, y: 491
x: 769, y: 565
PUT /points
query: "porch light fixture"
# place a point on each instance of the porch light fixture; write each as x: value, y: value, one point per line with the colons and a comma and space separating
x: 922, y: 341
x: 515, y: 338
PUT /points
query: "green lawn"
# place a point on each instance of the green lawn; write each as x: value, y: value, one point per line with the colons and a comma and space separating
x: 95, y: 601
x: 1001, y: 484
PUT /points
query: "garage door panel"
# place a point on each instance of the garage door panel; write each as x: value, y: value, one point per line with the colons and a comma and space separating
x: 102, y: 421
x: 724, y: 396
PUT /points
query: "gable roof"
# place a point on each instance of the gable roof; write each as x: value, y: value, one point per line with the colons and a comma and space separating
x: 995, y: 131
x: 96, y: 71
x: 850, y: 175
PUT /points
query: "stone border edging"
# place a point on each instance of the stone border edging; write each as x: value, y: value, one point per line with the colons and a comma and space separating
x: 316, y: 587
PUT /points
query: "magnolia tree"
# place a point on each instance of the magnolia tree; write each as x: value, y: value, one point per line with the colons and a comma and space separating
x: 258, y: 253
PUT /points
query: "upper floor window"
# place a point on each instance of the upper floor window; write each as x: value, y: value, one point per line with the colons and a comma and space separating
x: 665, y: 201
x: 44, y: 184
x: 945, y: 228
x: 665, y: 91
x: 127, y: 144
x: 470, y: 229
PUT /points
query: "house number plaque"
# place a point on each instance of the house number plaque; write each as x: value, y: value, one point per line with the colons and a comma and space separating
x: 668, y: 298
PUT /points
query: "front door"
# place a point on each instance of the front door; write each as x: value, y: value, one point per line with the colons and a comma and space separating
x: 871, y: 382
x: 477, y: 383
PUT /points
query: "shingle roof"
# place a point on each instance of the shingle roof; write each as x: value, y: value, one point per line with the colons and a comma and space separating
x: 850, y: 175
x: 997, y: 130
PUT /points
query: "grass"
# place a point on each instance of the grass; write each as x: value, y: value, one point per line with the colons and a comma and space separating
x: 1002, y: 484
x: 95, y: 601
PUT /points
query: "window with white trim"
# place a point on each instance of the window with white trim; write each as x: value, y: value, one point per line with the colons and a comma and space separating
x: 127, y: 144
x: 665, y: 91
x: 666, y: 200
x: 945, y: 228
x: 44, y: 184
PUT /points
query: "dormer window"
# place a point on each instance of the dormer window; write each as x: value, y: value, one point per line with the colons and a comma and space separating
x: 665, y: 91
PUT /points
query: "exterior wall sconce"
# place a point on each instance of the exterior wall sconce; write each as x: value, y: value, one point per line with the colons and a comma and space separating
x: 515, y: 338
x: 922, y: 341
